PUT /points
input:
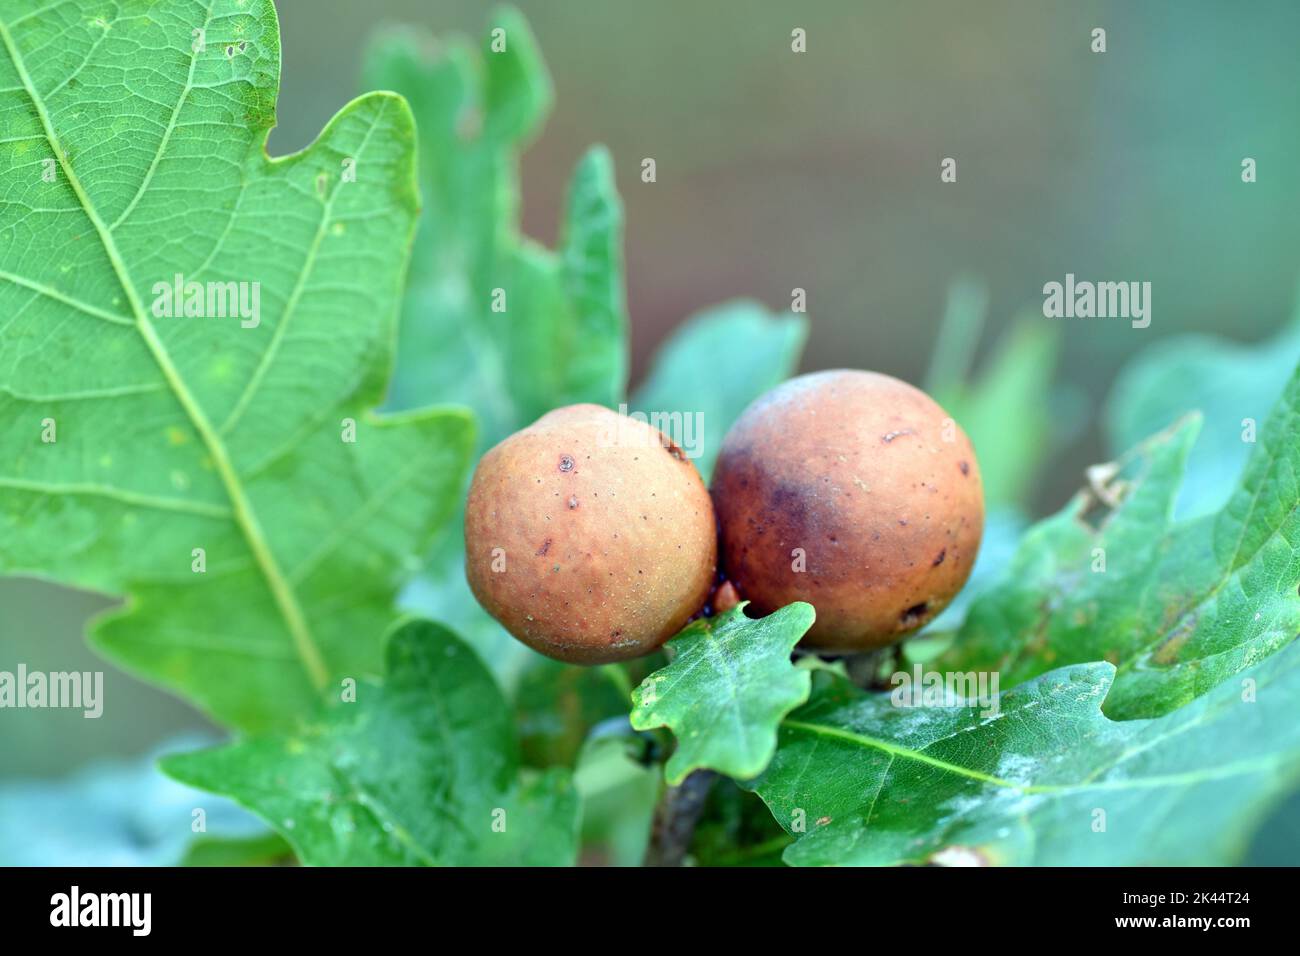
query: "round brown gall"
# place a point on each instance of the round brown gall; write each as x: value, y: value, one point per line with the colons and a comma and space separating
x: 589, y: 536
x: 853, y: 491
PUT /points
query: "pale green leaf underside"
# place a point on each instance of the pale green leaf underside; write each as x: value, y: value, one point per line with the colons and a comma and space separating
x: 181, y: 433
x: 1048, y: 780
x: 1176, y: 606
x: 419, y: 770
x: 730, y: 683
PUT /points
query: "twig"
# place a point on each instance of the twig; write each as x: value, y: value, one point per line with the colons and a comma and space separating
x: 676, y: 815
x: 865, y: 669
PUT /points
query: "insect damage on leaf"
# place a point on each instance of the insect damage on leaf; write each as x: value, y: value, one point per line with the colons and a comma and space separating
x: 196, y: 336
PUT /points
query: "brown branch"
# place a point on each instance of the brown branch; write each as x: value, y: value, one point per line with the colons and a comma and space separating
x: 864, y: 669
x: 676, y: 815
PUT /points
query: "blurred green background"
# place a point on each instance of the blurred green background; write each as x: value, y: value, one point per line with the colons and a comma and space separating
x: 821, y: 171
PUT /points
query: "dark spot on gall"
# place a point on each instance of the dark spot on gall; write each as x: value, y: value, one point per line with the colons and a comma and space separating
x: 939, y: 560
x: 914, y: 615
x: 546, y: 546
x: 671, y: 447
x: 965, y: 467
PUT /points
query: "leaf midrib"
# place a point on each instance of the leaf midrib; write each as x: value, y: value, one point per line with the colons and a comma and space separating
x: 1217, y: 772
x: 246, y: 519
x: 907, y: 753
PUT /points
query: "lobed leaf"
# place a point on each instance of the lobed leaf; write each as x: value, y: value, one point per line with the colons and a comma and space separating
x: 198, y: 464
x: 728, y: 687
x: 1177, y: 607
x: 419, y: 770
x: 1045, y: 779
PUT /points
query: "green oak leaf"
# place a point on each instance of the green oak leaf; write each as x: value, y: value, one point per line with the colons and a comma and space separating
x: 1177, y: 606
x: 133, y: 145
x: 492, y: 319
x: 1044, y: 780
x: 1229, y: 384
x: 729, y: 684
x: 687, y: 384
x: 422, y: 769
